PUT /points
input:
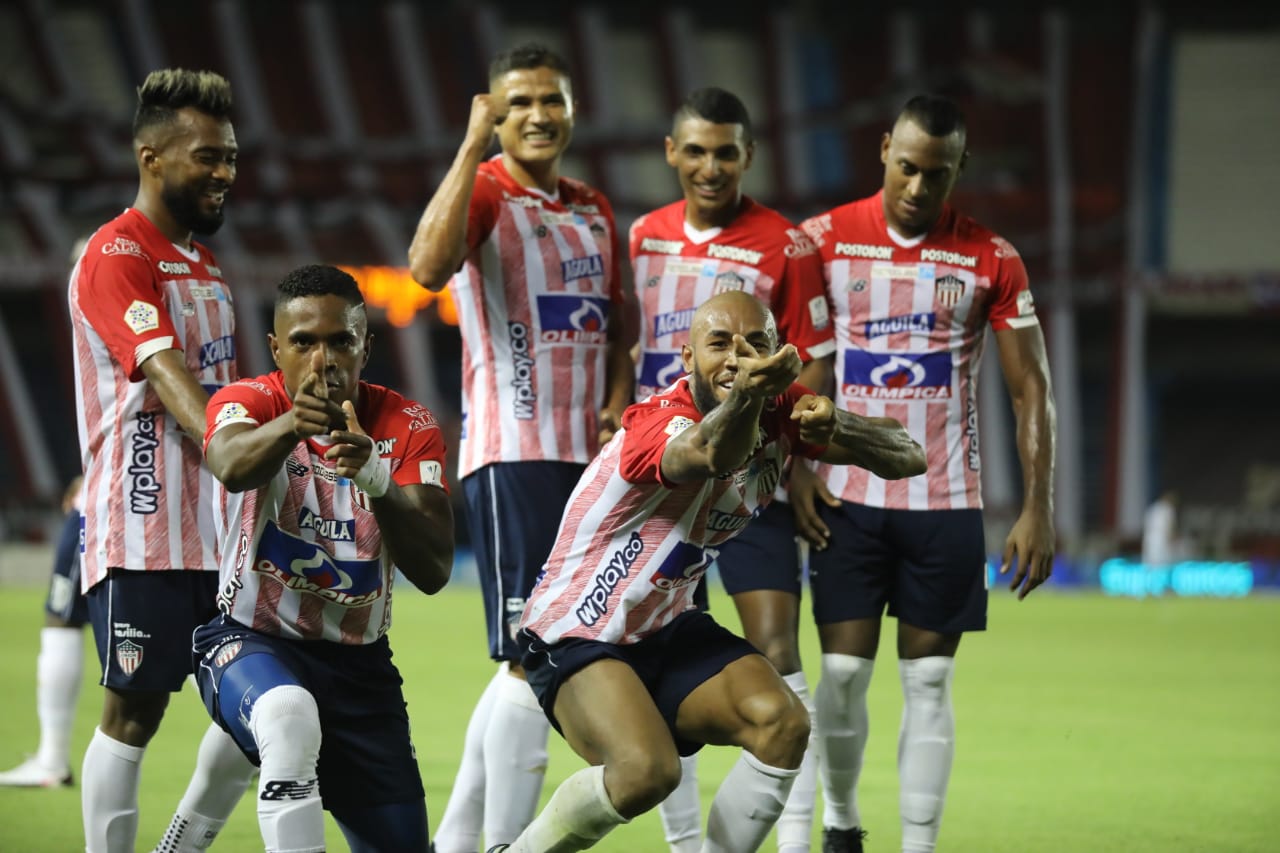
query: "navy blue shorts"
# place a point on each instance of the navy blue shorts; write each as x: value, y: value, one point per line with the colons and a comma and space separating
x: 513, y: 514
x: 672, y: 663
x: 65, y: 601
x: 142, y: 622
x: 928, y: 566
x: 764, y: 555
x: 366, y: 755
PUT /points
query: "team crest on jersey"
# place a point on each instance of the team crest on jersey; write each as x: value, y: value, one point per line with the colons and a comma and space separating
x: 129, y: 656
x: 949, y: 290
x: 227, y: 653
x: 123, y: 246
x: 142, y: 317
x: 729, y: 281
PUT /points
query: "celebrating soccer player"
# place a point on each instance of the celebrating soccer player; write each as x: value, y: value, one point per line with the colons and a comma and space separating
x: 629, y: 671
x: 531, y: 258
x: 714, y: 240
x: 153, y: 331
x: 333, y: 484
x: 914, y: 283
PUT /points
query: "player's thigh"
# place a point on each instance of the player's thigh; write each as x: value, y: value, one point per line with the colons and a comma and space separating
x: 853, y: 577
x: 771, y: 622
x: 607, y: 716
x: 942, y: 586
x: 236, y: 667
x: 382, y: 829
x: 513, y: 514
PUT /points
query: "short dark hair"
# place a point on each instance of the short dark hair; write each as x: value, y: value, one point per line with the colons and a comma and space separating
x: 318, y: 280
x: 717, y: 106
x: 168, y: 90
x: 525, y: 56
x: 936, y: 115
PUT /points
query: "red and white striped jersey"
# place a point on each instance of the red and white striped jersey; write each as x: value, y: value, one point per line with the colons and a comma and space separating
x: 910, y: 322
x: 631, y: 546
x: 302, y: 556
x: 678, y: 268
x: 533, y: 299
x: 148, y: 496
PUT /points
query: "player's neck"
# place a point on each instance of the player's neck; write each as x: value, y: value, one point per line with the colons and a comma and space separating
x: 540, y: 176
x: 158, y: 215
x: 704, y: 219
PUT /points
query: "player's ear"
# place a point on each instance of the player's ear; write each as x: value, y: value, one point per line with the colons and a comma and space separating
x: 275, y: 348
x: 670, y: 145
x: 148, y: 158
x: 686, y: 357
x: 964, y: 159
x: 884, y: 148
x: 750, y: 153
x: 368, y: 348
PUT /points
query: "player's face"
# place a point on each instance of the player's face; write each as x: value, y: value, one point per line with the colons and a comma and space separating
x: 919, y: 172
x: 197, y: 164
x: 710, y: 357
x: 710, y: 159
x: 330, y: 323
x: 539, y: 119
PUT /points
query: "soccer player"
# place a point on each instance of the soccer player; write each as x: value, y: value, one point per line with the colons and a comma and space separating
x: 532, y: 261
x: 914, y: 283
x: 153, y: 330
x: 629, y: 671
x: 332, y: 484
x: 61, y: 660
x: 713, y: 240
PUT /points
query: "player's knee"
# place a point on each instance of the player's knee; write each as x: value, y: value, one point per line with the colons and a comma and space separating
x: 133, y: 717
x: 779, y: 728
x: 285, y: 723
x: 640, y: 779
x: 782, y: 652
x: 926, y: 682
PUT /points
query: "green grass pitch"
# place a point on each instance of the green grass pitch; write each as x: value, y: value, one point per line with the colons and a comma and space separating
x: 1084, y: 724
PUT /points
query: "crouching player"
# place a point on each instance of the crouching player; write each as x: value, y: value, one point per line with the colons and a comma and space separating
x: 332, y: 484
x: 624, y: 666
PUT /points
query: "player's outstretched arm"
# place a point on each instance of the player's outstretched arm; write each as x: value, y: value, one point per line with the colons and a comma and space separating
x: 243, y: 456
x: 440, y: 240
x: 416, y: 521
x: 881, y: 445
x: 722, y: 440
x: 179, y: 392
x: 1031, y: 542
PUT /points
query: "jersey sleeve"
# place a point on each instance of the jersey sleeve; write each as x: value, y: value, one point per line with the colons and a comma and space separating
x: 121, y: 300
x: 648, y: 428
x: 801, y: 309
x: 423, y: 460
x: 238, y: 403
x: 1012, y: 305
x: 482, y: 214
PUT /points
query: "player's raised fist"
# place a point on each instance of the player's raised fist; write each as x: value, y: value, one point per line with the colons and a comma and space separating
x: 487, y: 112
x: 817, y: 417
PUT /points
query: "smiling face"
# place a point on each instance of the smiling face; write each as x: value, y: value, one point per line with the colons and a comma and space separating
x: 332, y: 324
x: 539, y: 118
x: 709, y: 159
x: 710, y: 358
x: 919, y: 173
x: 193, y: 159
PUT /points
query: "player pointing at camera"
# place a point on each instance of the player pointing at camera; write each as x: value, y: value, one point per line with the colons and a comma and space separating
x: 625, y: 666
x: 333, y: 484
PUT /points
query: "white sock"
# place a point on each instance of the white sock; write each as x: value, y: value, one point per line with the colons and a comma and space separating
x: 58, y: 671
x: 747, y: 805
x: 286, y: 727
x: 221, y: 776
x: 109, y: 794
x: 681, y: 811
x: 459, y: 829
x: 795, y: 824
x: 926, y: 747
x: 578, y: 815
x: 515, y: 760
x: 841, y: 703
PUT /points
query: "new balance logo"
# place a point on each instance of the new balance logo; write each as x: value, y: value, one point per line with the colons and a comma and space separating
x: 287, y: 789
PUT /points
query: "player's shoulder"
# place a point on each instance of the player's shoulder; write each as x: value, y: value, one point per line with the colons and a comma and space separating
x: 268, y: 386
x: 766, y: 227
x: 391, y: 412
x: 666, y: 222
x: 675, y: 401
x: 971, y: 236
x: 821, y: 227
x: 581, y: 197
x: 122, y: 237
